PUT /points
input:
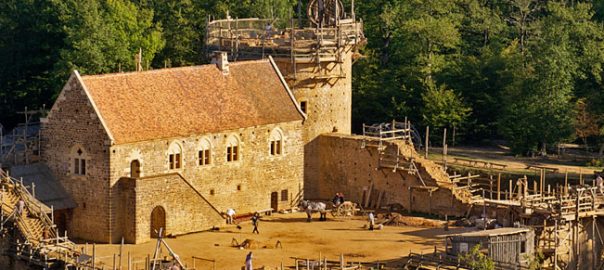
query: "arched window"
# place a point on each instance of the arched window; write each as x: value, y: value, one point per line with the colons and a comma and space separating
x: 276, y: 142
x: 232, y: 149
x: 205, y: 152
x: 175, y: 156
x: 80, y: 158
x: 135, y: 169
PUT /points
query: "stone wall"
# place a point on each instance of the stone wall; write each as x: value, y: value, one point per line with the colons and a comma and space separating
x: 186, y: 210
x: 245, y: 185
x: 73, y: 125
x: 346, y: 166
x: 328, y: 101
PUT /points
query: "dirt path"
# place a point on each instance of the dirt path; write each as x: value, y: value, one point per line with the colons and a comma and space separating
x: 517, y: 164
x: 299, y: 239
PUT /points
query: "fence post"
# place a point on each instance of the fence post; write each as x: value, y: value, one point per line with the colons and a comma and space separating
x: 93, y: 255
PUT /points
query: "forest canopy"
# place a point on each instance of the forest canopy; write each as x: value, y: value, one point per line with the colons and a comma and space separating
x: 525, y: 71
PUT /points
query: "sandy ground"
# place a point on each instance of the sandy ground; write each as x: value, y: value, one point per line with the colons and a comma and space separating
x: 299, y: 239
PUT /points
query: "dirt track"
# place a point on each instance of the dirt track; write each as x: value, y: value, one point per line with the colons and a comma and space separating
x: 299, y: 239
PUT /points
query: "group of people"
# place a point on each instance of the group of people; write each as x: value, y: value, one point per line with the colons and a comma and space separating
x: 230, y: 214
x: 338, y: 199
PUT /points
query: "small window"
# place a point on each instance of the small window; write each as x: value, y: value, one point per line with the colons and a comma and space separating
x: 276, y: 143
x: 238, y: 187
x: 79, y: 166
x: 174, y: 156
x: 232, y: 150
x: 204, y: 157
x: 303, y: 106
x: 523, y: 247
x: 79, y: 162
x: 135, y: 169
x: 284, y: 195
x: 204, y: 154
x: 212, y: 192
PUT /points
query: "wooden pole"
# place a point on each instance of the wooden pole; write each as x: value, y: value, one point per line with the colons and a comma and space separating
x: 499, y: 186
x: 566, y: 182
x: 121, y: 252
x: 114, y: 262
x: 581, y: 176
x: 491, y: 187
x: 541, y: 181
x: 510, y: 190
x: 93, y: 255
x: 445, y: 148
x: 341, y: 261
x: 129, y: 261
x: 427, y: 141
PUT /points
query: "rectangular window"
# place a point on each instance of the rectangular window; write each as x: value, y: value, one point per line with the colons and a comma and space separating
x: 232, y: 153
x: 175, y: 161
x: 276, y: 147
x: 82, y: 166
x: 303, y: 106
x: 79, y: 166
x: 204, y: 157
x: 284, y: 195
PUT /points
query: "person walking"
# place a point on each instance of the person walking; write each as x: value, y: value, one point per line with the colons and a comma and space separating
x: 20, y: 207
x: 371, y: 221
x: 255, y: 221
x: 248, y: 261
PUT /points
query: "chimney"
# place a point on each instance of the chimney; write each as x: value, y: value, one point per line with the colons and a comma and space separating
x: 222, y: 62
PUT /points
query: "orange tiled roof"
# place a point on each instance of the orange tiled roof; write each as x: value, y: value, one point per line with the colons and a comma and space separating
x: 177, y: 102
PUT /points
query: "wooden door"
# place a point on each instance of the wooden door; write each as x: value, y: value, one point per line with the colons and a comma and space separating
x: 135, y: 169
x: 158, y: 221
x: 275, y: 201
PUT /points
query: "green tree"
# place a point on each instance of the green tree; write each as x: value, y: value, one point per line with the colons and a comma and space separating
x: 476, y: 260
x: 443, y: 107
x: 102, y: 37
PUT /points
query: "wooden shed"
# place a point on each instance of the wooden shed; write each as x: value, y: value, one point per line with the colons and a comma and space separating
x: 510, y: 248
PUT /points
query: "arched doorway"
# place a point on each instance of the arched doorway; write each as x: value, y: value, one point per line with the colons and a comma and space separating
x: 158, y: 220
x: 135, y: 169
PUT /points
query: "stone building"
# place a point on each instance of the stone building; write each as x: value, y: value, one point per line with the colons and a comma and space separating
x: 174, y: 148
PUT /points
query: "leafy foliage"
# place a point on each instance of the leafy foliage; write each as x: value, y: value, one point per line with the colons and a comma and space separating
x: 494, y: 69
x: 477, y: 260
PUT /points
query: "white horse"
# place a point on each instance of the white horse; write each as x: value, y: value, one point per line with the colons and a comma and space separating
x: 311, y: 207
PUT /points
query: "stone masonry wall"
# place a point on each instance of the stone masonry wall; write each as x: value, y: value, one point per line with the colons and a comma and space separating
x: 245, y: 185
x: 328, y: 102
x: 346, y: 166
x: 71, y: 124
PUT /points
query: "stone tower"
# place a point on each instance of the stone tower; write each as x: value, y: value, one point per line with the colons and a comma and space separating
x: 315, y: 57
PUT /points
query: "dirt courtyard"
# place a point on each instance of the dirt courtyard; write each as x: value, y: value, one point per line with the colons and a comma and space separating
x: 298, y: 238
